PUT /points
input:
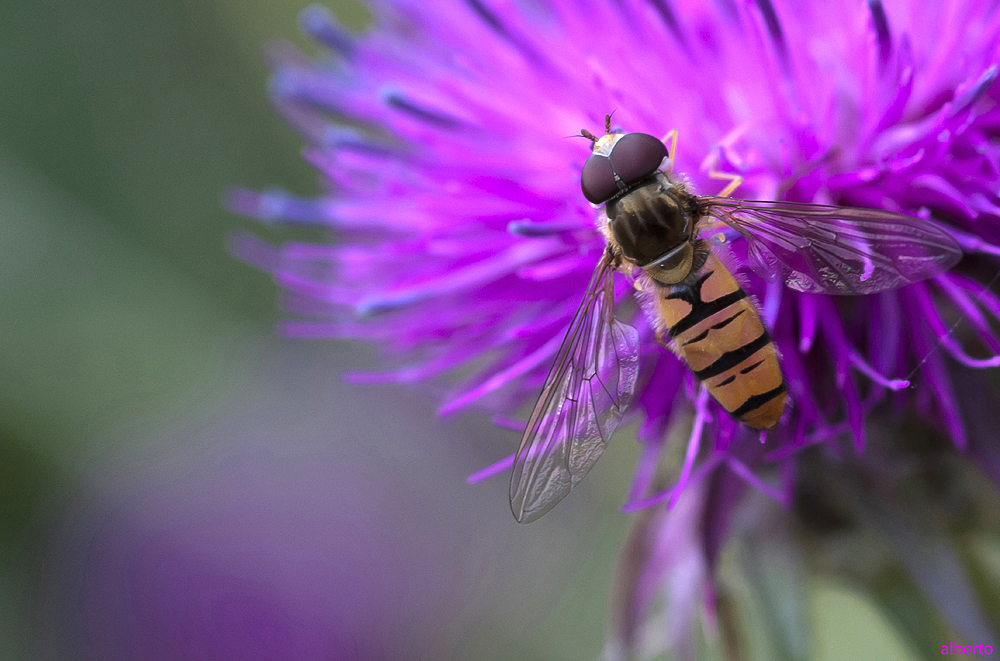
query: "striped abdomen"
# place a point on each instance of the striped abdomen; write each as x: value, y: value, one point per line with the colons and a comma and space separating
x: 719, y: 334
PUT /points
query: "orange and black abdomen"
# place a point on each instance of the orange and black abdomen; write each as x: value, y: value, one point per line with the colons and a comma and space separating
x: 720, y: 336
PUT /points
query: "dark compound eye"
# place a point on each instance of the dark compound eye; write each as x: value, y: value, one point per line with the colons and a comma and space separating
x: 636, y: 156
x: 598, y: 180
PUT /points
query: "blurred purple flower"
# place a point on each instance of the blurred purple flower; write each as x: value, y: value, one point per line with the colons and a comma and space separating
x: 464, y: 244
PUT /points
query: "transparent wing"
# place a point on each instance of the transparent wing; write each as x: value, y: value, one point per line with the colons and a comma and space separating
x: 816, y: 248
x: 584, y: 397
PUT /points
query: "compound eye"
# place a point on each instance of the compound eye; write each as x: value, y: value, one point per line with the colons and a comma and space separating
x: 636, y: 156
x: 598, y: 179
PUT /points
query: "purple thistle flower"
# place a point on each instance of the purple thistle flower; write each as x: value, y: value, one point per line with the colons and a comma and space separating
x: 464, y: 244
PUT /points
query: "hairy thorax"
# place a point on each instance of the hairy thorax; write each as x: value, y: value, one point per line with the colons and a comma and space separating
x: 652, y: 224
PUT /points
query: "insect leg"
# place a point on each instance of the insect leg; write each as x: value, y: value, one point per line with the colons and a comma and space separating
x: 707, y: 225
x: 631, y: 280
x: 734, y: 180
x: 672, y: 150
x: 712, y: 163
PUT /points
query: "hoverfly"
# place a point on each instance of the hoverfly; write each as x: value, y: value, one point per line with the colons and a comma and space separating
x: 653, y: 222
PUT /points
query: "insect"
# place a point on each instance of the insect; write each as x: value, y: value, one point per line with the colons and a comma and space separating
x: 651, y: 221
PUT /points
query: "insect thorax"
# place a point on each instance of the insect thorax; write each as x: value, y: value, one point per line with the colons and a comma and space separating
x: 650, y: 220
x: 652, y: 224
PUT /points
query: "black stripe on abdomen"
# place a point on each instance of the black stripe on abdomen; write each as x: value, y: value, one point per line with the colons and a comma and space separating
x: 731, y: 359
x: 722, y: 324
x: 700, y: 310
x: 754, y: 402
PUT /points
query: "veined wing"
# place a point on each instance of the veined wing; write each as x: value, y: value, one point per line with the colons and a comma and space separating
x: 582, y: 402
x: 816, y: 248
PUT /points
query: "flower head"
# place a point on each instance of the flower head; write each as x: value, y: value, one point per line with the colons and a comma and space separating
x: 464, y: 243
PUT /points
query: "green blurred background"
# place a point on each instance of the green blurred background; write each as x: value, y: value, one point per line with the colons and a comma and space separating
x: 125, y: 325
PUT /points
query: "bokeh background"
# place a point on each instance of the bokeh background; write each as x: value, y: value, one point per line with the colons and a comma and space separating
x: 176, y: 482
